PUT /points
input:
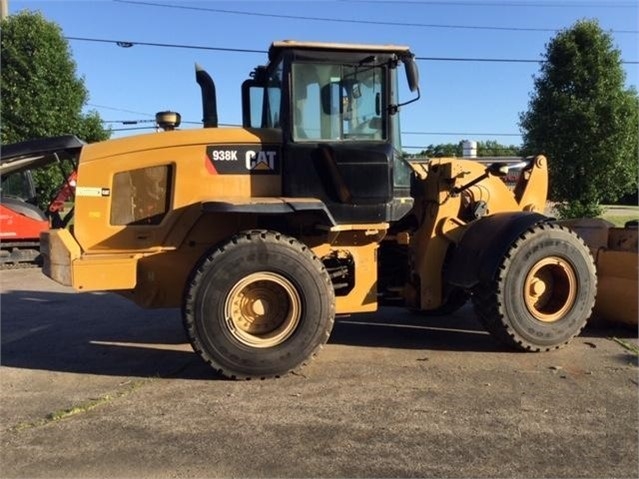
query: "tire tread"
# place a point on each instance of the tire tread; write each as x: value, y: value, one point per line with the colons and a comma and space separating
x: 489, y: 307
x: 247, y: 237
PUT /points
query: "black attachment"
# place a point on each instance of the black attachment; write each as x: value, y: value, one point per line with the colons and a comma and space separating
x: 209, y: 100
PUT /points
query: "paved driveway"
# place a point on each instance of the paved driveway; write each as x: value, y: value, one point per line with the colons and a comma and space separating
x: 93, y: 386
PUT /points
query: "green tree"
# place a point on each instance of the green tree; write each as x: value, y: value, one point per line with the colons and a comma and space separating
x: 484, y: 148
x: 585, y: 120
x: 442, y: 150
x: 494, y: 148
x: 41, y: 94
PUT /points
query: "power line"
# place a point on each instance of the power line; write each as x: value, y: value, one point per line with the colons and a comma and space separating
x: 128, y: 44
x: 426, y: 147
x: 550, y: 4
x: 118, y: 109
x: 342, y: 20
x: 487, y: 60
x: 134, y: 128
x: 453, y: 133
x: 128, y: 122
x: 135, y: 122
x: 247, y: 50
x: 424, y: 133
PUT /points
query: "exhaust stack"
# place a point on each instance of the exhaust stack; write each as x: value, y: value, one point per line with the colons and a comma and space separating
x: 209, y: 100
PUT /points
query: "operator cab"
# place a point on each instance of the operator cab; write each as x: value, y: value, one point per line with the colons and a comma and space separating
x: 337, y: 107
x: 18, y: 193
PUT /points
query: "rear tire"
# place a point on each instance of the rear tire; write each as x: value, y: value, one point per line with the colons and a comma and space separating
x: 543, y: 293
x: 259, y: 306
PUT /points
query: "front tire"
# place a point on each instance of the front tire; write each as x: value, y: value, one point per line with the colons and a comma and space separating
x: 259, y: 306
x: 543, y: 292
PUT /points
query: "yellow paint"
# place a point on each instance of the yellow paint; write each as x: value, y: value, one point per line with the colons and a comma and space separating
x: 361, y: 242
x: 618, y: 286
x: 441, y: 209
x: 617, y: 261
x: 59, y: 249
x: 150, y: 262
x: 192, y: 183
x: 105, y: 272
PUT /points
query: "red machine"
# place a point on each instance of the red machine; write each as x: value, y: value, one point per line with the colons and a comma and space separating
x: 21, y: 220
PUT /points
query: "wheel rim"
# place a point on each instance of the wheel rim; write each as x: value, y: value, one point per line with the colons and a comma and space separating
x: 262, y: 310
x: 550, y: 289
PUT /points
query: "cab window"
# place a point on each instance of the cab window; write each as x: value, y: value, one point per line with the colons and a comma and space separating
x: 17, y: 185
x: 337, y: 102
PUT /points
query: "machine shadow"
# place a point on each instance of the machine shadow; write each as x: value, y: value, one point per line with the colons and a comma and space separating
x: 460, y: 331
x: 95, y: 333
x: 400, y: 328
x: 105, y: 334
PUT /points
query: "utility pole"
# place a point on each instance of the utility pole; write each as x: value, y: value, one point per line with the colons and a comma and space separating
x: 4, y: 9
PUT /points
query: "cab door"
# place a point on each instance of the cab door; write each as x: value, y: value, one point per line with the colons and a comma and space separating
x: 340, y: 150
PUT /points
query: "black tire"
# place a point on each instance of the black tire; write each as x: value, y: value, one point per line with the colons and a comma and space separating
x: 259, y: 306
x: 543, y: 293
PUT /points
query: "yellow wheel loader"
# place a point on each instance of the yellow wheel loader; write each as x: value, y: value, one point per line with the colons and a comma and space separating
x: 263, y: 234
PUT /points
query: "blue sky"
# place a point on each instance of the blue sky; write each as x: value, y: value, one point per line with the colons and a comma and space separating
x: 461, y: 98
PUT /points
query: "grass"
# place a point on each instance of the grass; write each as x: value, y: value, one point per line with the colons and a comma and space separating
x: 620, y: 215
x: 619, y: 220
x: 632, y: 347
x: 81, y: 408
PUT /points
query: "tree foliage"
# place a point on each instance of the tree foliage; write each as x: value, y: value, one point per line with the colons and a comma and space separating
x: 585, y: 120
x: 493, y: 148
x: 41, y: 94
x: 442, y: 150
x: 484, y: 148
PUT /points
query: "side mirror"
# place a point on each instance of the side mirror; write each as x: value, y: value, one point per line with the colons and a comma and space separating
x: 412, y: 73
x: 412, y: 77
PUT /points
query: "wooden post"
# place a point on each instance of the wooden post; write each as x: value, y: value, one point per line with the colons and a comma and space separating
x: 4, y: 9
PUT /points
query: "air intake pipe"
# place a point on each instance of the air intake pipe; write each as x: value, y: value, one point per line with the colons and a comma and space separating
x: 209, y: 100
